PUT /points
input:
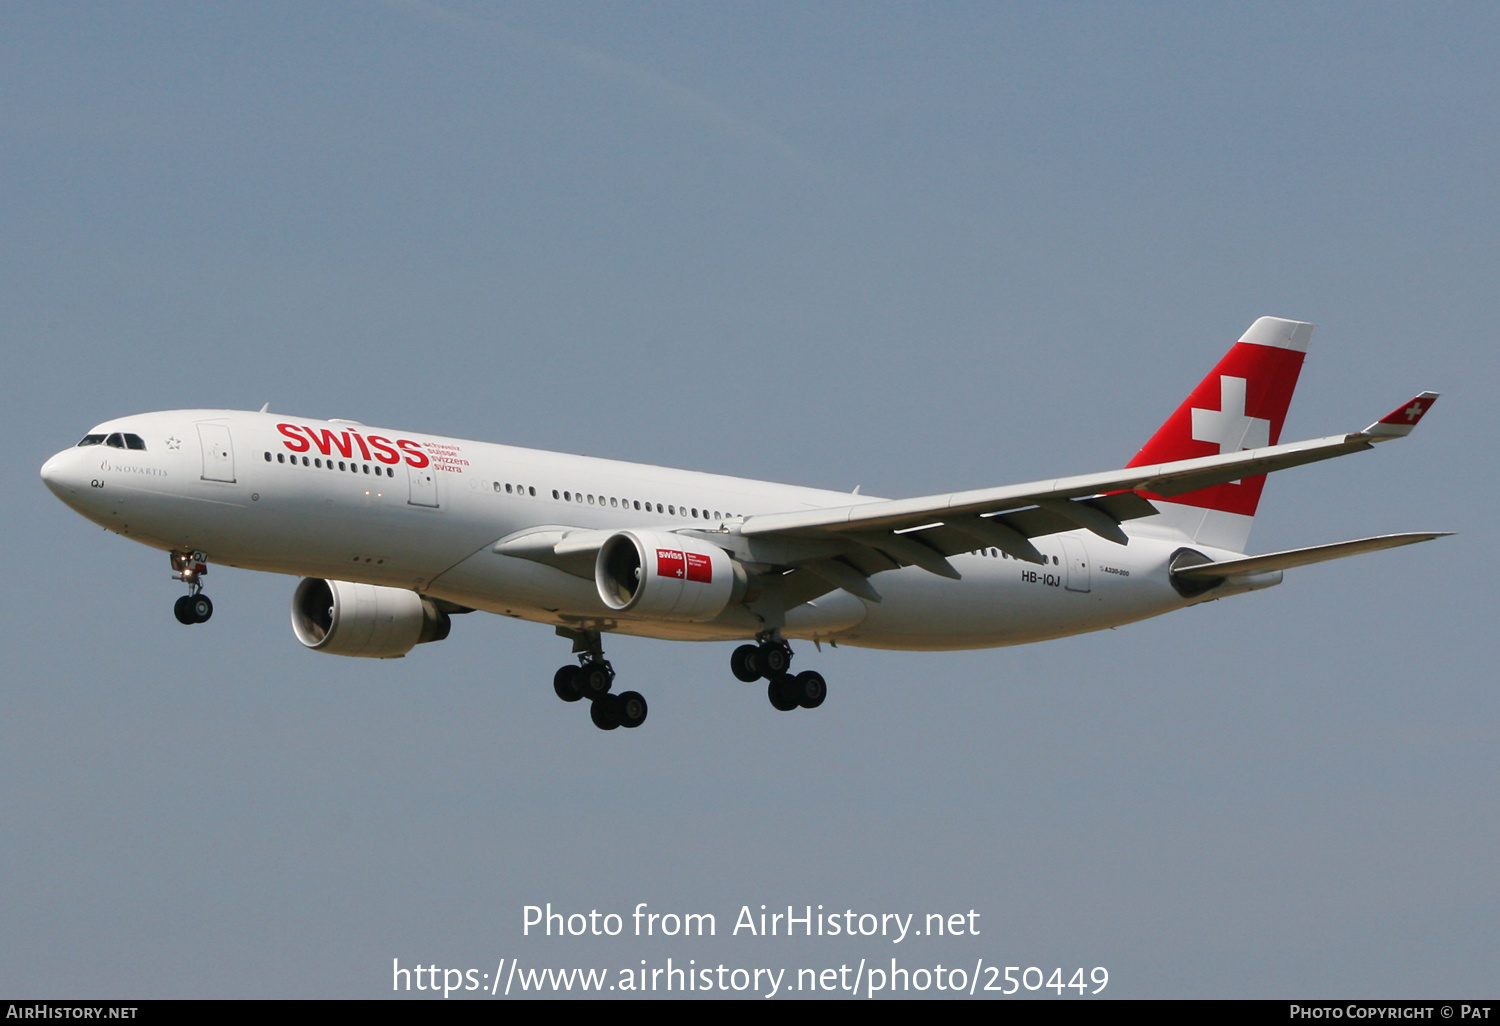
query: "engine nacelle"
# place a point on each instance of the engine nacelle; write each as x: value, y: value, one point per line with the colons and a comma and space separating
x: 662, y: 576
x: 347, y: 619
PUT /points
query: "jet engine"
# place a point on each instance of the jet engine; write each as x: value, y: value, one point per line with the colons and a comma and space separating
x: 662, y: 576
x: 347, y: 619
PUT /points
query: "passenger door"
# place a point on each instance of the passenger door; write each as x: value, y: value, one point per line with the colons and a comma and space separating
x: 218, y: 452
x: 423, y: 482
x: 1077, y: 556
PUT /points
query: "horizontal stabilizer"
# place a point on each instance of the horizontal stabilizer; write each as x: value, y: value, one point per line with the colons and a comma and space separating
x: 1300, y: 557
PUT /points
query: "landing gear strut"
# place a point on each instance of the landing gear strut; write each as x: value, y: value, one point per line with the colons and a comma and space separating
x: 770, y: 660
x: 592, y: 678
x: 194, y: 607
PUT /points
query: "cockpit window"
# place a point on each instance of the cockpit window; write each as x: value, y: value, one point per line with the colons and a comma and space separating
x: 116, y: 440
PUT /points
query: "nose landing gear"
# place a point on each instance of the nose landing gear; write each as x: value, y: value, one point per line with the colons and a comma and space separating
x: 194, y: 607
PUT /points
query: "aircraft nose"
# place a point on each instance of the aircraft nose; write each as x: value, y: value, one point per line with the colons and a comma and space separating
x: 60, y: 475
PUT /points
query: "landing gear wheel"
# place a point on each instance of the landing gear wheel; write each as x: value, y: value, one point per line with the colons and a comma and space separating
x: 782, y: 693
x: 745, y: 663
x: 201, y: 606
x: 773, y: 660
x: 565, y: 683
x: 632, y: 708
x: 605, y: 713
x: 594, y: 680
x: 810, y: 689
x: 183, y: 610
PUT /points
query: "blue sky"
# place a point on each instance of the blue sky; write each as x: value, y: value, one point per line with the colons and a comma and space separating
x: 911, y: 248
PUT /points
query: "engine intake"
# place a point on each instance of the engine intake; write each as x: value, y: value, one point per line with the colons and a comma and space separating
x: 342, y: 618
x: 662, y: 576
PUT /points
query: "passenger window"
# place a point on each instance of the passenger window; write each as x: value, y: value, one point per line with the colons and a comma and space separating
x: 91, y: 440
x: 533, y: 491
x: 367, y: 468
x: 304, y: 460
x: 135, y: 442
x: 317, y: 463
x: 268, y: 456
x: 614, y: 502
x: 591, y: 500
x: 281, y: 457
x: 637, y: 503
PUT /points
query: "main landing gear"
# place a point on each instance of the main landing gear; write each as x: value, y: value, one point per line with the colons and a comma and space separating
x: 190, y: 568
x: 592, y: 678
x: 770, y: 660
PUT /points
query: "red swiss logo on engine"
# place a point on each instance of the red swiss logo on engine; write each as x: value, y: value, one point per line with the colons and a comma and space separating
x: 684, y: 566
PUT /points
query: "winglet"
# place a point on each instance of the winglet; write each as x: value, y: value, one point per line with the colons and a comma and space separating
x: 1399, y: 422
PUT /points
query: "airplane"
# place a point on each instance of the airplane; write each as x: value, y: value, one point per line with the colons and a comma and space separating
x: 396, y: 532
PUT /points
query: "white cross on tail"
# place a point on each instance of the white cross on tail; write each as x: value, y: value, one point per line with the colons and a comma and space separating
x: 1228, y: 427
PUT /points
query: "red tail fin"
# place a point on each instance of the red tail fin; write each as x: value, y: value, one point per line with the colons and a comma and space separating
x: 1242, y: 404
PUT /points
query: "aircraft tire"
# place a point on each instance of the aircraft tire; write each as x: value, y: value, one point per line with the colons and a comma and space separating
x: 632, y: 709
x: 744, y: 663
x: 183, y: 610
x: 594, y: 680
x: 605, y: 713
x: 810, y: 689
x: 565, y: 683
x: 773, y: 660
x: 782, y: 693
x: 202, y: 607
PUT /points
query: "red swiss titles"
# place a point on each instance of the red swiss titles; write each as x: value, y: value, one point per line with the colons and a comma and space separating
x: 303, y: 439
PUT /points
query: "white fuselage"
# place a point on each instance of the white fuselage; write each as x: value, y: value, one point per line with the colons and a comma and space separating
x: 422, y: 512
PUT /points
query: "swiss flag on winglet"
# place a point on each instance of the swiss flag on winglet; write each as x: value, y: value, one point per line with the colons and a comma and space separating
x: 1402, y: 419
x: 1242, y: 404
x: 1410, y: 413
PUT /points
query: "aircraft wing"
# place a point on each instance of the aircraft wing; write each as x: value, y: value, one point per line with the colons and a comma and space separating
x: 1094, y: 501
x: 875, y: 536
